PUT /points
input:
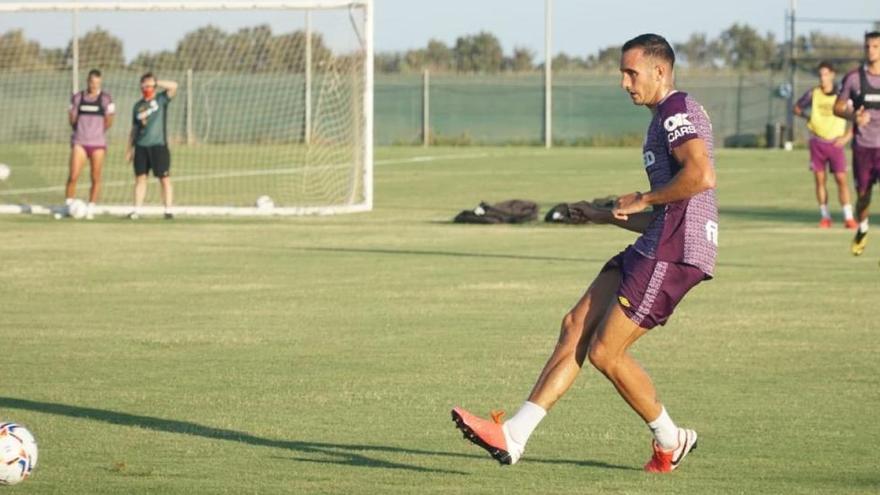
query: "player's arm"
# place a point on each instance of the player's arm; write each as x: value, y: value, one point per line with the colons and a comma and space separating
x: 846, y: 138
x: 696, y: 175
x: 72, y: 112
x: 170, y: 87
x: 129, y: 144
x: 637, y: 222
x: 845, y: 110
x: 804, y: 102
x: 109, y: 114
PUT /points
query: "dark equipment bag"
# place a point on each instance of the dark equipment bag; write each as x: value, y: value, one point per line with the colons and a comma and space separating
x: 510, y: 211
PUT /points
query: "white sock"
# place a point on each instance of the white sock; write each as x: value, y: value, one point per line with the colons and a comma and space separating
x: 863, y: 226
x: 665, y: 431
x: 847, y: 212
x: 524, y: 422
x: 68, y: 201
x: 823, y: 209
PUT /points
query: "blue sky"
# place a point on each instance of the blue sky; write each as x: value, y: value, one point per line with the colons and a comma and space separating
x: 581, y: 27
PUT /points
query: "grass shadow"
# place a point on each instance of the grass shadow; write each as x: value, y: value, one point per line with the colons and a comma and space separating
x: 336, y: 453
x: 454, y: 254
x: 770, y: 214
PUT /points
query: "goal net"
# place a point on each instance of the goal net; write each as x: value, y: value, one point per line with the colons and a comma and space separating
x: 274, y: 99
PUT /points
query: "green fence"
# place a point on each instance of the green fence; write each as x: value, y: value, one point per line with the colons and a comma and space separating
x: 587, y: 108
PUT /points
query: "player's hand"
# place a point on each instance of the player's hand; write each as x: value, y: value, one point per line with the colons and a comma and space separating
x: 841, y: 141
x: 628, y: 204
x: 595, y: 215
x: 862, y: 117
x: 129, y: 156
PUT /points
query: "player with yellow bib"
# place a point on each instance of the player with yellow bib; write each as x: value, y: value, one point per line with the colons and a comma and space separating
x: 828, y: 136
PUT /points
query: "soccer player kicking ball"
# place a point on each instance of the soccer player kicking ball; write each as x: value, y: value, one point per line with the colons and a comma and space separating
x: 639, y: 288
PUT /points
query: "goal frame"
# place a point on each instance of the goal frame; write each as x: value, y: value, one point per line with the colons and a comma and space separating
x: 299, y: 5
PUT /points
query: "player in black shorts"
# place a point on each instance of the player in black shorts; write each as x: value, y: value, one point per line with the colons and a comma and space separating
x: 148, y: 143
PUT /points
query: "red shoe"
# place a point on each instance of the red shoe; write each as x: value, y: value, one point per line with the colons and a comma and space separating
x: 665, y: 461
x: 487, y: 434
x: 825, y: 223
x: 851, y: 224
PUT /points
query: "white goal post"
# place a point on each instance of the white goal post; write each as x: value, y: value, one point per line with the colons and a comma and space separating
x: 274, y: 99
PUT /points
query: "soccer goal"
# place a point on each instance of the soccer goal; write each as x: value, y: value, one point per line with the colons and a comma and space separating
x: 274, y: 100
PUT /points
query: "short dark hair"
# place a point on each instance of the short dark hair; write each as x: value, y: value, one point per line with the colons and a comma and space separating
x: 825, y: 65
x: 147, y: 75
x: 94, y: 73
x: 653, y: 45
x: 872, y: 35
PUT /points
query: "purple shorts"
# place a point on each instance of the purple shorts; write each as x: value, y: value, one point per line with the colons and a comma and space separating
x: 825, y: 152
x: 650, y: 289
x: 89, y: 149
x: 866, y: 167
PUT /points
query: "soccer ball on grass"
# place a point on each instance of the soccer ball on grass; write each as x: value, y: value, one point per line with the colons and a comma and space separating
x: 77, y: 209
x: 18, y: 453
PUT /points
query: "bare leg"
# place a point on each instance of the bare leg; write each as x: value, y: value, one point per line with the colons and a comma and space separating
x: 167, y: 191
x: 821, y: 191
x: 77, y: 160
x: 571, y: 349
x: 140, y: 190
x: 842, y: 188
x: 97, y: 167
x: 608, y: 353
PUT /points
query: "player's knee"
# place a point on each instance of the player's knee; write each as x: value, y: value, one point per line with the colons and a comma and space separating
x: 600, y: 357
x: 572, y: 328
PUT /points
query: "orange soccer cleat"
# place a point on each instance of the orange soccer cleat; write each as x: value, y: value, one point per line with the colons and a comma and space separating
x: 664, y: 461
x: 825, y: 223
x: 485, y: 433
x: 850, y: 224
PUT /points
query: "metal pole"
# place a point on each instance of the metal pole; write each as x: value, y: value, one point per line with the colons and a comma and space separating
x: 548, y: 74
x: 190, y: 137
x: 426, y: 108
x: 75, y: 48
x: 368, y: 104
x: 307, y: 124
x: 739, y: 104
x: 792, y: 68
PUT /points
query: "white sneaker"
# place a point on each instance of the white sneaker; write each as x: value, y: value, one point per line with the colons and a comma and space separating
x: 133, y: 216
x: 90, y: 211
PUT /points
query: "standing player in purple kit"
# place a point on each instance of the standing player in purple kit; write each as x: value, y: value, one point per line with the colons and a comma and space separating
x: 828, y: 136
x: 91, y: 114
x: 639, y: 288
x: 862, y: 87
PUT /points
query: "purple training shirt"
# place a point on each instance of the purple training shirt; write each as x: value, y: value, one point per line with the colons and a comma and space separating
x: 869, y: 135
x: 684, y: 231
x: 89, y: 130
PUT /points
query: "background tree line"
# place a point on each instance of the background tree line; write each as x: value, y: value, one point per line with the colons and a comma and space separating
x: 739, y: 47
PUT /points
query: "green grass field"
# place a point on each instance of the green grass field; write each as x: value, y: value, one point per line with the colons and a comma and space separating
x: 322, y: 355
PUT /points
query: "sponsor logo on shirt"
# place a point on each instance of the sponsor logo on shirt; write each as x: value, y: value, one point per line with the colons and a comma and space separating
x: 650, y: 159
x: 677, y: 126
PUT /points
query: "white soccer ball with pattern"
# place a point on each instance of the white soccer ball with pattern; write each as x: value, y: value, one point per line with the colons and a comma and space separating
x: 18, y: 453
x: 4, y: 171
x: 265, y: 203
x: 77, y: 209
